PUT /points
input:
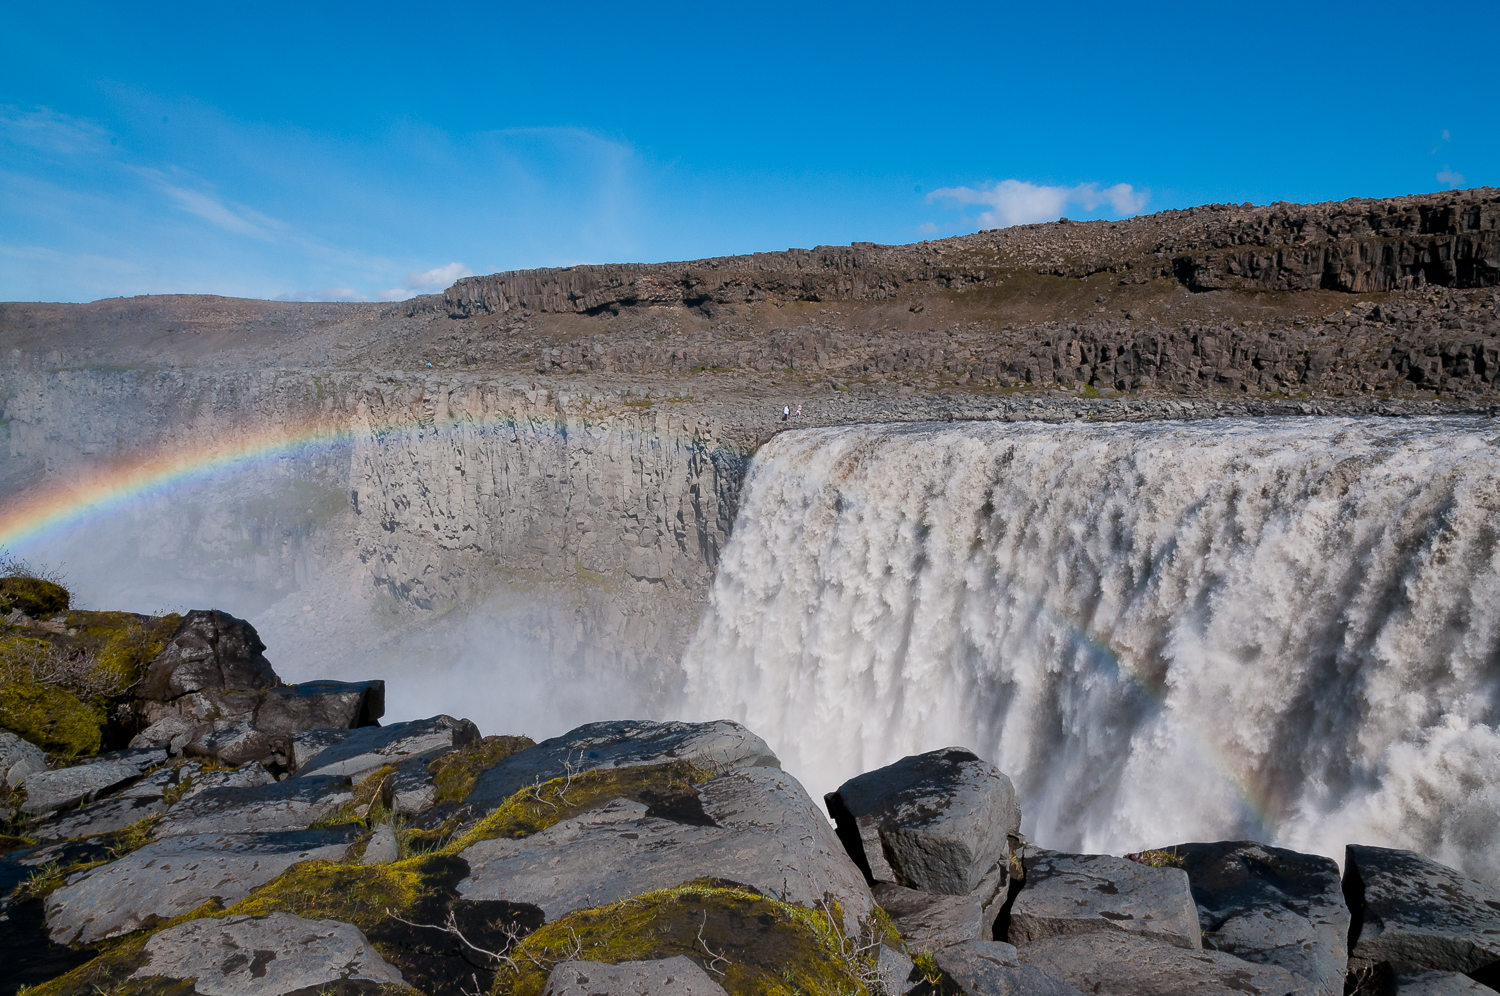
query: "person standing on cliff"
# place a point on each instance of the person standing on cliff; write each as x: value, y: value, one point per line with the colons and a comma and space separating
x: 799, y: 411
x: 786, y: 412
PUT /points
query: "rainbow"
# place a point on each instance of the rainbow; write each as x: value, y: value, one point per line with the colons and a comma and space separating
x: 94, y: 490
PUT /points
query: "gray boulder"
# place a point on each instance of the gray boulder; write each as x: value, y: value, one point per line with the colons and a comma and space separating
x: 936, y: 821
x: 1412, y: 914
x: 993, y: 968
x: 285, y: 805
x: 170, y: 877
x: 929, y: 921
x: 677, y: 976
x: 1439, y: 984
x: 48, y: 791
x: 760, y: 828
x: 1268, y: 904
x: 274, y: 955
x: 1115, y: 963
x: 715, y: 746
x: 1084, y: 893
x: 369, y: 748
x: 19, y: 758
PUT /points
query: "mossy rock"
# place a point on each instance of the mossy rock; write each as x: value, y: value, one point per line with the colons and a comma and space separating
x: 376, y: 899
x: 123, y: 642
x: 55, y: 720
x: 455, y: 773
x: 666, y: 790
x: 35, y: 597
x: 749, y: 943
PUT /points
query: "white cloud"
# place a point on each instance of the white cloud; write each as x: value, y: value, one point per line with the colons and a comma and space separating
x: 439, y: 278
x: 1016, y: 202
x: 1449, y: 178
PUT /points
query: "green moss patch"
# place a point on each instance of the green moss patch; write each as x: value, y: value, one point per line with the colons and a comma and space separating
x: 377, y: 899
x: 749, y: 943
x: 53, y: 719
x: 668, y: 790
x: 123, y: 643
x: 8, y: 844
x: 34, y: 596
x: 456, y: 773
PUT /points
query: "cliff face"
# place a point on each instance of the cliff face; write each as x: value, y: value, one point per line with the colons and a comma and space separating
x: 425, y: 494
x: 1449, y: 240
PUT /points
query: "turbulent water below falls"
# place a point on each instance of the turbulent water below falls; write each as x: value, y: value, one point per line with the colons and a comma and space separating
x: 1281, y: 629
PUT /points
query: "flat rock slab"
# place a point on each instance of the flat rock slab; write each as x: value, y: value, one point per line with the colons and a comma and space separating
x: 105, y: 816
x: 1114, y: 963
x: 1271, y: 905
x: 1417, y: 914
x: 47, y: 791
x: 677, y: 976
x: 716, y: 746
x: 383, y: 847
x: 272, y: 955
x: 19, y: 758
x: 929, y: 921
x: 287, y: 805
x: 369, y: 748
x: 993, y: 968
x: 936, y: 821
x: 769, y: 836
x: 1439, y: 984
x: 170, y: 877
x: 1078, y: 893
x: 250, y: 776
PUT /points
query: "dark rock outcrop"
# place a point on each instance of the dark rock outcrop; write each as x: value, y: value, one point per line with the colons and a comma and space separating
x: 211, y: 693
x: 720, y: 745
x: 937, y: 821
x: 1069, y: 894
x: 1413, y: 914
x: 1271, y: 905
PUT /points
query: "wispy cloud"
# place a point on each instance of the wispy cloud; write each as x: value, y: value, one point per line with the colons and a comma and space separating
x: 1450, y: 179
x: 59, y: 134
x: 1017, y: 202
x: 237, y: 218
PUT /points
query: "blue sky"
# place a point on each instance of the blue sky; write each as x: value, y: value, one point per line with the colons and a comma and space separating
x: 371, y: 151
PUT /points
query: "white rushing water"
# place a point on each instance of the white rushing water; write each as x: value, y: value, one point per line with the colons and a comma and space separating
x: 1280, y: 629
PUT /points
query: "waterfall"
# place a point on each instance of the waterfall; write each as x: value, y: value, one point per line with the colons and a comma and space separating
x: 1281, y: 629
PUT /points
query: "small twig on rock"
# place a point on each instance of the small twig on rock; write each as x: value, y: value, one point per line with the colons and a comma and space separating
x: 714, y: 956
x: 451, y: 927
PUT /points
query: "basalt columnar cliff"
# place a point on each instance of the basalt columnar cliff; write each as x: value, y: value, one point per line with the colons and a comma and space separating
x: 1184, y: 522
